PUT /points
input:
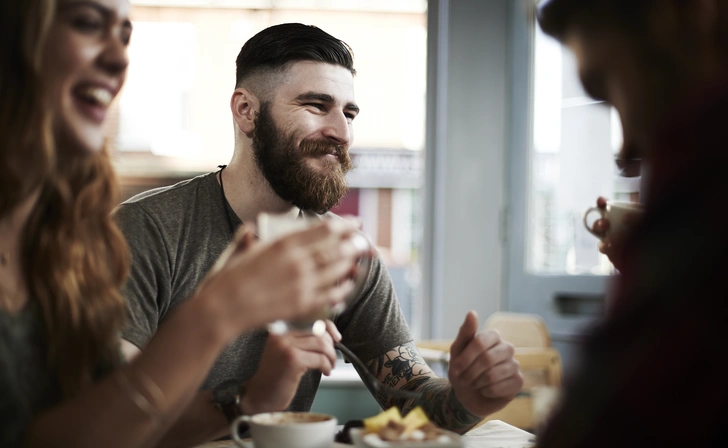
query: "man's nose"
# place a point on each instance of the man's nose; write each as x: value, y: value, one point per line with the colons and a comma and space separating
x: 337, y: 128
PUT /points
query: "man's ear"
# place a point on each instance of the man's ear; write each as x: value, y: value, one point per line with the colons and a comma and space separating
x: 244, y: 106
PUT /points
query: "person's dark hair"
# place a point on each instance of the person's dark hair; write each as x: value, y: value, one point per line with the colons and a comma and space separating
x: 277, y: 46
x: 558, y: 17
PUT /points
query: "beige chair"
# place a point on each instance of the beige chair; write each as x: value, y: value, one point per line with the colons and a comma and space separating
x: 520, y: 329
x: 540, y: 363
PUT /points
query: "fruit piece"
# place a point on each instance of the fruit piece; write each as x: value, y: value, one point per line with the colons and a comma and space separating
x: 393, y: 431
x: 414, y: 419
x: 375, y: 423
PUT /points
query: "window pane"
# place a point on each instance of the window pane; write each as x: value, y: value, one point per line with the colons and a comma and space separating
x: 572, y: 163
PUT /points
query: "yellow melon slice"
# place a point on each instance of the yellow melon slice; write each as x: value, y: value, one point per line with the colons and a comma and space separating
x: 414, y: 419
x: 379, y: 421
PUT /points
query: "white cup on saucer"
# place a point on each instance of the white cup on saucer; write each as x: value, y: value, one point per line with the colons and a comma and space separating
x: 287, y: 430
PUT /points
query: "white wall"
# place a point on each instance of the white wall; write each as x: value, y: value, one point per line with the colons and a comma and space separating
x: 465, y: 170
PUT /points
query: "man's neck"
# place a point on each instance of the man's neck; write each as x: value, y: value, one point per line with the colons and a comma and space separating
x: 248, y: 192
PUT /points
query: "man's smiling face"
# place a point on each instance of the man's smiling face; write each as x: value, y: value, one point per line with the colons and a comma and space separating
x: 302, y: 135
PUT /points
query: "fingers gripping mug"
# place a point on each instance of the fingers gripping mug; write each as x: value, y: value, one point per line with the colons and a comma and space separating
x: 271, y: 227
x: 615, y: 213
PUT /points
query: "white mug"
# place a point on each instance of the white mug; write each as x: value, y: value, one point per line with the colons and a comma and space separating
x: 614, y: 212
x: 271, y: 227
x: 287, y: 430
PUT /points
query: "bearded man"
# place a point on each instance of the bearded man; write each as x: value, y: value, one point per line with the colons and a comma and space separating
x: 293, y: 109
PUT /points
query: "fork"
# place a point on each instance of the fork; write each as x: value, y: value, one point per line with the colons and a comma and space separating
x: 372, y: 380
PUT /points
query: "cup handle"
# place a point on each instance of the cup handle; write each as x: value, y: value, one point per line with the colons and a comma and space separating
x: 235, y: 429
x: 586, y: 225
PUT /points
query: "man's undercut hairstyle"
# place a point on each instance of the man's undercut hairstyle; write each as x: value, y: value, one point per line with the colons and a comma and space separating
x: 558, y: 18
x: 273, y: 49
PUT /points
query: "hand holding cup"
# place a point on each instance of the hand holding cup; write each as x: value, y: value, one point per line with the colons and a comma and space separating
x: 324, y: 253
x: 614, y: 223
x: 254, y: 283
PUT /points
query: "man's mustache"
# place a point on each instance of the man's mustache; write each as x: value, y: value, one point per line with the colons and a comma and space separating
x: 322, y: 148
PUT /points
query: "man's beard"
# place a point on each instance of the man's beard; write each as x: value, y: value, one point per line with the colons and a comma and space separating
x: 286, y: 169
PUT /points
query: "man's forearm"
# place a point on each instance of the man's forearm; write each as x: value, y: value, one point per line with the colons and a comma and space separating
x: 403, y: 368
x: 439, y: 403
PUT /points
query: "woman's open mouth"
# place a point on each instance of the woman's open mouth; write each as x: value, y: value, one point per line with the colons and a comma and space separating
x: 93, y: 101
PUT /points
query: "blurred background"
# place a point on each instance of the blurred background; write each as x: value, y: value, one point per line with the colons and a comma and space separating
x: 476, y: 150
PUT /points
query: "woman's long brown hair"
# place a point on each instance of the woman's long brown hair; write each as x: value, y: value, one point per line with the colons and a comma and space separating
x: 74, y: 257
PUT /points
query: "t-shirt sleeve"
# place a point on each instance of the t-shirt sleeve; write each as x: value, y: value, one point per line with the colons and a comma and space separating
x: 147, y: 290
x: 373, y: 324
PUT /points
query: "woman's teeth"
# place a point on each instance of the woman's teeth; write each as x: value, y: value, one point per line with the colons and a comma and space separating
x: 96, y: 94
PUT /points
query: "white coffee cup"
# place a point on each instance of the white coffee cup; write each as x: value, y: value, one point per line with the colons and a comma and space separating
x: 271, y: 227
x: 287, y: 430
x: 615, y: 213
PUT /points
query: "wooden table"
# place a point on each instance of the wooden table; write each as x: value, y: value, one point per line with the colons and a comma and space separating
x: 492, y: 434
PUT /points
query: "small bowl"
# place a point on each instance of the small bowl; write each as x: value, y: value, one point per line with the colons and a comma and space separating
x: 357, y: 436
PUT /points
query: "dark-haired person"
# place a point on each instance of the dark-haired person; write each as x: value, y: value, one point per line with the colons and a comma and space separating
x: 293, y: 107
x: 63, y: 381
x: 652, y: 373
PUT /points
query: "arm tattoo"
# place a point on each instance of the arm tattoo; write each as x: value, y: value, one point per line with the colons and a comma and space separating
x: 403, y: 368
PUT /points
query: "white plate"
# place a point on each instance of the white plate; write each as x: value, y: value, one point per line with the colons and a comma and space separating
x: 357, y: 436
x: 250, y: 444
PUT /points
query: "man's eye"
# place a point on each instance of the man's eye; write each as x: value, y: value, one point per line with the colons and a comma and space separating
x: 350, y: 116
x: 318, y: 106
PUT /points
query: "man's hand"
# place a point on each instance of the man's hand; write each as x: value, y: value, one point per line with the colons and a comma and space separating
x: 286, y: 357
x: 483, y: 373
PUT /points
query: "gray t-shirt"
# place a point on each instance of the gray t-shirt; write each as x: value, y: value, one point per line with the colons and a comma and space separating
x: 177, y: 233
x: 27, y: 385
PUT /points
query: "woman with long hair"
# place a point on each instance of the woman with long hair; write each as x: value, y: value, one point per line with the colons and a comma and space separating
x: 62, y: 259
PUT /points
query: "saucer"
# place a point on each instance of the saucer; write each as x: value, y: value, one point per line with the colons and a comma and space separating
x: 250, y: 444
